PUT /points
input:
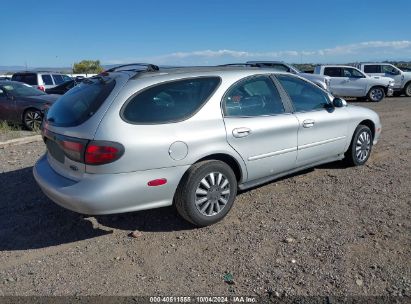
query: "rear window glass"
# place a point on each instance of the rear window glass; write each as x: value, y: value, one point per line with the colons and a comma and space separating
x: 80, y: 103
x: 47, y: 79
x: 372, y: 68
x: 169, y: 102
x: 333, y: 72
x: 30, y: 79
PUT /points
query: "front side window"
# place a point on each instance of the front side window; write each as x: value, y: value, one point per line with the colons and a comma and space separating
x: 255, y: 96
x: 169, y: 102
x: 47, y: 79
x: 372, y: 68
x: 65, y: 78
x: 352, y: 73
x: 389, y: 69
x: 58, y: 79
x: 304, y: 95
x: 333, y: 72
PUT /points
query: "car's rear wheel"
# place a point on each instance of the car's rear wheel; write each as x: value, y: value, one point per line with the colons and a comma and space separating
x: 32, y: 119
x: 407, y: 89
x: 376, y: 94
x: 206, y: 193
x: 360, y: 147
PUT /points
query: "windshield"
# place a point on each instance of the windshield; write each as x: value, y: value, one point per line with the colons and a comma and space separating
x: 80, y: 103
x: 21, y: 90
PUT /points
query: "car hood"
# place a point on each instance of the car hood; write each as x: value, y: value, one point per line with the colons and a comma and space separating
x: 41, y: 98
x: 407, y: 75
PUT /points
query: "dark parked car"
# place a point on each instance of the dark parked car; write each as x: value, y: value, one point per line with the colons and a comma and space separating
x: 63, y: 88
x: 23, y: 104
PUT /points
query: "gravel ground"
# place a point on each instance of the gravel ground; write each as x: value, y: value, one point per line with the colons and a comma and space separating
x: 11, y: 134
x: 328, y: 231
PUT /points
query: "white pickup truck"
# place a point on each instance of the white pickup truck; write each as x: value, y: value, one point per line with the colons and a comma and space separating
x: 347, y: 81
x: 402, y: 79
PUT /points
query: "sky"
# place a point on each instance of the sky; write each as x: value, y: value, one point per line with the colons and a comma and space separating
x: 180, y: 32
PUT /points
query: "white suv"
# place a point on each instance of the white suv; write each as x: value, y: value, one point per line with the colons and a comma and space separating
x: 348, y: 81
x: 41, y: 80
x: 402, y: 78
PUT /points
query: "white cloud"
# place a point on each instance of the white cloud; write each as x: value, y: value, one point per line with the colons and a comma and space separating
x: 367, y: 48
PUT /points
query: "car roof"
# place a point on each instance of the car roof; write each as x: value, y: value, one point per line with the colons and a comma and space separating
x: 199, y: 71
x: 37, y: 72
x: 375, y: 63
x: 336, y: 66
x: 265, y: 61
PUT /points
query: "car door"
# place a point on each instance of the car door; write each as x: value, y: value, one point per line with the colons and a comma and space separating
x: 7, y: 106
x: 357, y: 83
x: 260, y: 127
x: 391, y: 71
x: 323, y: 129
x: 337, y: 81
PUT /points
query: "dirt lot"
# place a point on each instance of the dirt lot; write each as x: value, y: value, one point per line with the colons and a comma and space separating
x: 328, y: 231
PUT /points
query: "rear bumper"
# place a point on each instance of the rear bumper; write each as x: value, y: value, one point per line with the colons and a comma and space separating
x: 390, y: 91
x: 108, y: 193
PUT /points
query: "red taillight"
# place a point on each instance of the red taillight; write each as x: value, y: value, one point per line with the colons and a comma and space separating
x: 41, y: 88
x: 157, y: 182
x: 98, y: 154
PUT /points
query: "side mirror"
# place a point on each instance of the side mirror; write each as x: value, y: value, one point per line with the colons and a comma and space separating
x: 339, y: 102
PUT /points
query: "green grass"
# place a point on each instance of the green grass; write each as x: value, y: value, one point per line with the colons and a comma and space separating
x: 6, y: 127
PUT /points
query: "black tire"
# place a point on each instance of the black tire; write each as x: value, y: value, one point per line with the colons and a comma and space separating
x: 407, y: 89
x: 191, y: 185
x: 376, y: 94
x: 32, y: 119
x: 360, y: 142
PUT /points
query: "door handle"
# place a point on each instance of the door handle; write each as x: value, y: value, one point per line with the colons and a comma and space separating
x: 308, y: 123
x: 241, y: 132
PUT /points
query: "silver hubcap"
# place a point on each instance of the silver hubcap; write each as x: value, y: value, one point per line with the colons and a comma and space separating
x: 376, y: 94
x: 409, y: 90
x: 212, y: 194
x: 33, y: 120
x: 363, y: 146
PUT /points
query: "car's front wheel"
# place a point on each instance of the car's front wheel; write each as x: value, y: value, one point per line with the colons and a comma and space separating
x: 32, y: 119
x: 206, y: 193
x: 376, y: 94
x: 407, y: 89
x: 360, y: 147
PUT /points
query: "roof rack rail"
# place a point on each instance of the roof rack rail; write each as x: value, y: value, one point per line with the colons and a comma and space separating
x: 148, y: 67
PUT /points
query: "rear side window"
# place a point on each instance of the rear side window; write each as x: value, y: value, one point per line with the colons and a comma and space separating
x: 47, y: 79
x: 80, y: 103
x: 333, y: 72
x: 256, y: 96
x: 304, y: 95
x: 30, y: 79
x: 169, y: 102
x: 372, y: 68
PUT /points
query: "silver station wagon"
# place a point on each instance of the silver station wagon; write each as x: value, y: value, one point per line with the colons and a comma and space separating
x: 138, y: 137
